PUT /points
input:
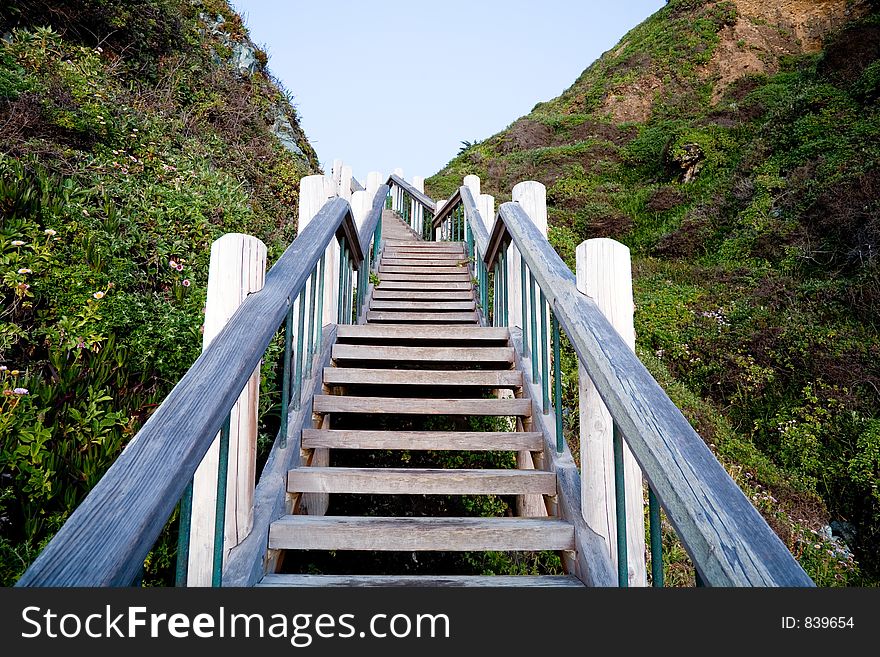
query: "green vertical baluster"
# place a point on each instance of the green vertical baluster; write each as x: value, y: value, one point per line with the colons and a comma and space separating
x: 557, y: 383
x: 545, y: 366
x: 220, y: 509
x: 504, y: 289
x: 285, y: 382
x: 495, y: 296
x: 320, y: 328
x: 525, y: 305
x: 533, y: 322
x: 656, y: 539
x: 620, y: 504
x: 485, y: 288
x: 342, y: 257
x: 698, y: 580
x: 297, y: 378
x: 183, y: 526
x: 377, y: 239
x: 310, y: 343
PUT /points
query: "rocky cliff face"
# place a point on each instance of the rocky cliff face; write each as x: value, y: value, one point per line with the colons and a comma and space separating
x: 735, y: 147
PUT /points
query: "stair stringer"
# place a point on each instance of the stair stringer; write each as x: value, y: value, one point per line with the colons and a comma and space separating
x: 592, y: 561
x: 248, y: 562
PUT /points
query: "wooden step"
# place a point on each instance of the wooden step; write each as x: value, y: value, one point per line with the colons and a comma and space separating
x: 425, y: 285
x: 390, y: 377
x: 423, y: 261
x: 351, y: 332
x: 397, y: 354
x: 425, y: 278
x: 424, y: 440
x: 419, y: 534
x: 416, y: 406
x: 415, y: 246
x: 424, y: 306
x: 348, y: 581
x: 420, y: 481
x: 409, y: 295
x: 424, y: 318
x: 427, y: 271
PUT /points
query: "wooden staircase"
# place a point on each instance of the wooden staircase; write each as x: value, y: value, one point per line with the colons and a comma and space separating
x: 421, y: 353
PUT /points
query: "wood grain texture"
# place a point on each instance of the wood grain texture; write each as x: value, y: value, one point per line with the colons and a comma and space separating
x: 458, y: 378
x: 420, y: 197
x: 106, y: 539
x: 372, y: 332
x: 420, y: 534
x: 436, y: 305
x: 398, y: 406
x: 592, y: 562
x: 424, y: 285
x: 420, y: 481
x: 728, y: 540
x: 374, y: 216
x: 604, y: 275
x: 425, y: 271
x: 423, y: 440
x: 441, y: 354
x: 426, y: 318
x: 347, y: 581
x: 425, y: 278
x: 250, y: 560
x: 435, y: 295
x: 237, y: 269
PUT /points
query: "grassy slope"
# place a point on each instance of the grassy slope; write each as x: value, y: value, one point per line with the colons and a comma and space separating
x: 757, y: 283
x: 127, y: 142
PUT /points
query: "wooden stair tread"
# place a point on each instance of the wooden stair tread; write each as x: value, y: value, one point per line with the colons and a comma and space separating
x: 377, y: 376
x: 420, y: 481
x: 428, y: 306
x: 419, y: 534
x: 423, y: 317
x: 513, y: 581
x: 416, y: 406
x: 424, y: 260
x: 374, y: 332
x: 423, y: 440
x: 399, y: 354
x: 425, y: 285
x: 425, y: 278
x: 425, y: 295
x: 421, y: 269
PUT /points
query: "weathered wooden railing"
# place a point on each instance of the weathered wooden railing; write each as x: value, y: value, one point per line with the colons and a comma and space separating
x: 534, y: 292
x: 410, y: 202
x: 106, y: 539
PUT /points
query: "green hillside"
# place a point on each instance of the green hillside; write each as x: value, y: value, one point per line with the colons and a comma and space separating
x: 132, y: 134
x: 735, y: 147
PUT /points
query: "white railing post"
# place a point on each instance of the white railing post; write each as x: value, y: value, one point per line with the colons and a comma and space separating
x: 313, y: 194
x: 438, y: 231
x: 418, y: 212
x: 604, y: 274
x: 237, y: 268
x: 345, y: 176
x: 374, y: 180
x: 486, y: 206
x: 396, y: 202
x: 532, y: 196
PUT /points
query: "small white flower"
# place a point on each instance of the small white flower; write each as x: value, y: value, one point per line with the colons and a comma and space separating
x: 50, y: 232
x: 17, y: 243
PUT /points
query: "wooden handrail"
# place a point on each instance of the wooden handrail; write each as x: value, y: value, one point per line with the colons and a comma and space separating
x: 418, y: 197
x: 374, y: 216
x: 105, y: 540
x: 474, y: 219
x: 727, y: 539
x: 447, y: 208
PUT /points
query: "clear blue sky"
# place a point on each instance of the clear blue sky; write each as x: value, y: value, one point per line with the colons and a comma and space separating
x: 400, y: 83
